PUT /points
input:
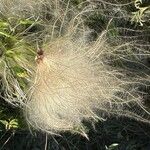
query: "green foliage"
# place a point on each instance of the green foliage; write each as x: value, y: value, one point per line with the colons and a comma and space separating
x: 142, y: 14
x: 113, y: 147
x: 10, y: 124
x: 14, y: 49
x: 10, y: 118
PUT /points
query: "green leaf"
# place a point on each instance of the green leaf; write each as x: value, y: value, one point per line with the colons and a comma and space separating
x: 26, y: 22
x: 113, y: 146
x: 4, y: 122
x: 3, y: 24
x: 13, y: 124
x: 5, y: 34
x: 10, y: 53
x: 20, y: 72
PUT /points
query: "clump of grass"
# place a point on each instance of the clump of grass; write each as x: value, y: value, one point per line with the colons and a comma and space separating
x: 15, y: 70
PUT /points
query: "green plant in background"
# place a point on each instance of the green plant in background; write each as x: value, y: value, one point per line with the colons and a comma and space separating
x: 10, y: 124
x: 10, y: 118
x: 113, y: 146
x: 142, y: 14
x: 15, y: 52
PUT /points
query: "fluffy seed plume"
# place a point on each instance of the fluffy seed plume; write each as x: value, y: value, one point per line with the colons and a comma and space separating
x: 71, y: 83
